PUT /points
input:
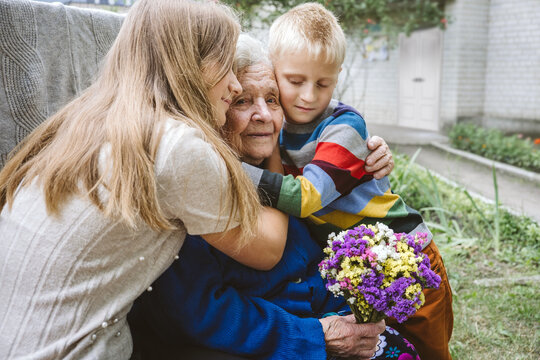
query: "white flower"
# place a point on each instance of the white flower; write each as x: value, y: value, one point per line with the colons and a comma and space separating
x: 335, y: 289
x: 351, y: 300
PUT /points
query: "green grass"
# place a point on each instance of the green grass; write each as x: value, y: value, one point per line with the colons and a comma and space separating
x: 501, y: 321
x: 492, y: 322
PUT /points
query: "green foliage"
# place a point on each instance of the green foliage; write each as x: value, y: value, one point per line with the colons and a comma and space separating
x: 357, y: 17
x: 461, y: 221
x: 499, y: 321
x: 495, y: 145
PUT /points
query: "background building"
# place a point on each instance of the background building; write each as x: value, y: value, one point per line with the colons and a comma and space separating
x: 485, y: 67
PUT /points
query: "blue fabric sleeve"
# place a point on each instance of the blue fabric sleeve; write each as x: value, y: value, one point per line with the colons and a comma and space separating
x: 191, y: 303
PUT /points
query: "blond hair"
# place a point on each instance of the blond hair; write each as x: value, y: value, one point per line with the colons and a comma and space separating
x: 309, y: 29
x: 156, y: 69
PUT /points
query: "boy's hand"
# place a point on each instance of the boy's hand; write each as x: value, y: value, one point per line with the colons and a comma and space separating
x: 379, y: 161
x: 273, y: 163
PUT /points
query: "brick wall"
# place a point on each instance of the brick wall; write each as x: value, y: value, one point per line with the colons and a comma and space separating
x: 513, y: 66
x: 450, y: 67
x: 464, y: 61
x: 490, y: 69
x: 371, y: 87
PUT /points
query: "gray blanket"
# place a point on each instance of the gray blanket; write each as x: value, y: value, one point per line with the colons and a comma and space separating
x: 48, y: 54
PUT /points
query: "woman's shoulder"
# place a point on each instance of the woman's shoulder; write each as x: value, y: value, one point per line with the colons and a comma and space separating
x: 177, y: 131
x: 183, y: 147
x: 179, y: 137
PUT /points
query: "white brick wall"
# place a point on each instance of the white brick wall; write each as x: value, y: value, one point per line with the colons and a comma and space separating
x: 464, y: 60
x: 472, y: 52
x: 513, y: 67
x: 371, y: 87
x: 450, y: 67
x: 490, y: 68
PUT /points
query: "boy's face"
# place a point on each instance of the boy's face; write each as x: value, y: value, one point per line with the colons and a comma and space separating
x: 305, y: 86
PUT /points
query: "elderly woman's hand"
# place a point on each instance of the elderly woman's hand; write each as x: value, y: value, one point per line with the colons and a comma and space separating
x: 347, y: 339
x: 379, y: 161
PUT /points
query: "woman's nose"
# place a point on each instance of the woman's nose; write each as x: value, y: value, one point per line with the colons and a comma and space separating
x: 234, y: 86
x: 262, y: 113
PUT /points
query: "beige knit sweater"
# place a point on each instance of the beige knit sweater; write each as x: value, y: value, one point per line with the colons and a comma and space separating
x: 67, y: 283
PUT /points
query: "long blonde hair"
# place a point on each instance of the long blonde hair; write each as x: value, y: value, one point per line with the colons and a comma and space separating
x: 153, y: 71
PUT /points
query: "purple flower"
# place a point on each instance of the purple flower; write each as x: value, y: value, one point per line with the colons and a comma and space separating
x: 369, y: 271
x: 428, y: 277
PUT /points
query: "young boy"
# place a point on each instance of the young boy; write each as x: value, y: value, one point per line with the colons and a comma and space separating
x: 323, y: 147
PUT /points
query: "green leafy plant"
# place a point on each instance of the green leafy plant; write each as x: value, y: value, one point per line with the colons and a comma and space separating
x: 495, y: 145
x: 495, y: 229
x: 357, y: 17
x: 459, y: 220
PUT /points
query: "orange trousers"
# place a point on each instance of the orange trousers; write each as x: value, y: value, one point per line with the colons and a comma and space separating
x: 430, y: 329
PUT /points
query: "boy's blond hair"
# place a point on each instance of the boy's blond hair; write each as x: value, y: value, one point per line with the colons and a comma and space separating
x: 308, y: 28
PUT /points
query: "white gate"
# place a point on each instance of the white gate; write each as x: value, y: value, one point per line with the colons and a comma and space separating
x: 419, y: 84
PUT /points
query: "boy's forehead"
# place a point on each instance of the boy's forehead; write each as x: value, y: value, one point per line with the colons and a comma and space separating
x: 299, y: 64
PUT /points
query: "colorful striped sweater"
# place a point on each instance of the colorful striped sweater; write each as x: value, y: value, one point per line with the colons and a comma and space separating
x: 326, y: 180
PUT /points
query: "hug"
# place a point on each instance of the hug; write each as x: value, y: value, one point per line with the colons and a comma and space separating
x: 137, y: 186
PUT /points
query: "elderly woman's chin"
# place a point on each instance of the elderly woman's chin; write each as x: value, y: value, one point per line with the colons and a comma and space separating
x: 255, y: 148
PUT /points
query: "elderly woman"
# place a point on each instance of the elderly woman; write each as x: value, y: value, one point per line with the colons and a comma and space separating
x: 213, y: 307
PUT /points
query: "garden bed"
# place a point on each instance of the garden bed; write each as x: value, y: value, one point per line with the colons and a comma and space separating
x: 481, y: 244
x: 516, y: 150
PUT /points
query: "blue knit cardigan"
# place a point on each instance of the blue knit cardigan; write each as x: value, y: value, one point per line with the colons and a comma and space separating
x: 206, y: 298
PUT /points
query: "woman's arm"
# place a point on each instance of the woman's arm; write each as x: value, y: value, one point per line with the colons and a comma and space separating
x: 264, y: 249
x: 193, y: 188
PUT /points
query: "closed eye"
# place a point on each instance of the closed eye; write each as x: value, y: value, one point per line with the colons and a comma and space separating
x: 295, y: 81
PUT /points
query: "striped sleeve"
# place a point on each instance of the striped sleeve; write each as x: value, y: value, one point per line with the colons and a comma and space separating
x: 335, y: 170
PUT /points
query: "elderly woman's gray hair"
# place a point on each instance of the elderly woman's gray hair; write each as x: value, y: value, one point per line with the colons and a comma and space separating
x: 250, y: 51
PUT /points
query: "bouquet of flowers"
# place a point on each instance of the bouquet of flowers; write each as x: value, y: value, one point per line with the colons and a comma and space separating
x: 379, y: 272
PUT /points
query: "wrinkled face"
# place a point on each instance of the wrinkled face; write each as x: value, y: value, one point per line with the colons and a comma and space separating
x: 255, y: 116
x: 305, y: 86
x: 222, y: 93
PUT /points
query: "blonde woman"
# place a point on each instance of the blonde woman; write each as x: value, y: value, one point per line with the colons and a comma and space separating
x: 96, y: 202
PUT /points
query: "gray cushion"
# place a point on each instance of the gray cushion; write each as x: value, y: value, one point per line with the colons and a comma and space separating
x: 49, y: 53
